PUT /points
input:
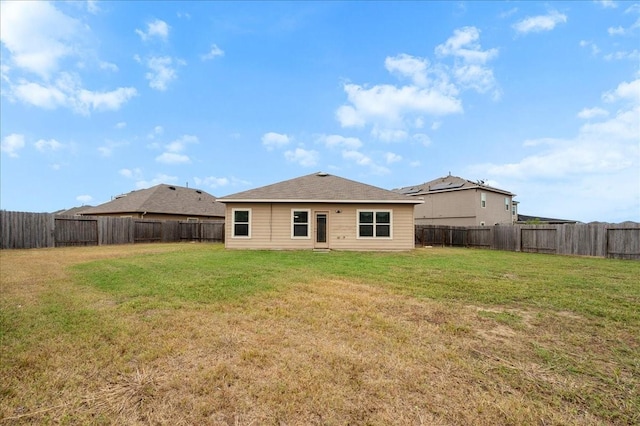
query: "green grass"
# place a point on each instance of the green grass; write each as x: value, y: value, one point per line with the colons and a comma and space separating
x: 603, y: 288
x: 183, y: 333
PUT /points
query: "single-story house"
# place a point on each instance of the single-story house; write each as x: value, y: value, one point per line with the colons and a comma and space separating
x: 455, y: 201
x: 319, y: 211
x: 162, y: 202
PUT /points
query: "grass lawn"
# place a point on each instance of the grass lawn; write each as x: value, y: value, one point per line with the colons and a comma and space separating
x: 187, y: 334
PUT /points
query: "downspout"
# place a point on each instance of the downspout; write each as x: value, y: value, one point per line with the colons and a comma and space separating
x: 142, y: 215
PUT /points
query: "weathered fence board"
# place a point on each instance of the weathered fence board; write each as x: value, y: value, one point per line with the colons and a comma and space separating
x: 26, y: 230
x: 72, y: 231
x: 594, y: 239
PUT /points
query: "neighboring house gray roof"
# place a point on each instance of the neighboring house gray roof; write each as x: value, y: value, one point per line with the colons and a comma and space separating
x: 72, y: 211
x: 163, y: 199
x: 319, y: 187
x: 446, y: 184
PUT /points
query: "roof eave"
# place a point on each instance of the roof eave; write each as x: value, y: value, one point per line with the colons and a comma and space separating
x: 249, y: 200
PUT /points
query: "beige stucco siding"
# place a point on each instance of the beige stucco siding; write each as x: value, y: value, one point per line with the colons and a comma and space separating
x: 463, y: 208
x: 271, y: 227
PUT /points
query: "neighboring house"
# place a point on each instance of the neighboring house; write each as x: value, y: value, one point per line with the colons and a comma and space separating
x: 455, y: 201
x: 74, y: 211
x: 319, y: 211
x: 165, y: 202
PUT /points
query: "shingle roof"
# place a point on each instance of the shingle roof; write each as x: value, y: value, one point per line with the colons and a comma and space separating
x: 447, y: 183
x: 320, y: 187
x: 164, y: 199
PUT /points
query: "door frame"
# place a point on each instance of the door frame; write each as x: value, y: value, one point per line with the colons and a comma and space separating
x: 320, y: 244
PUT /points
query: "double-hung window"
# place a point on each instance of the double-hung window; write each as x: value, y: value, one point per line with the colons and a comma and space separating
x: 374, y: 224
x: 242, y: 223
x: 483, y: 200
x: 300, y: 223
x: 506, y: 203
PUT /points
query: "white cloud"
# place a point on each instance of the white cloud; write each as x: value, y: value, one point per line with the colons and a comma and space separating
x: 212, y: 181
x: 157, y: 131
x: 84, y: 199
x: 607, y: 4
x: 464, y: 44
x: 633, y: 55
x: 155, y: 29
x: 173, y: 158
x: 181, y: 143
x: 272, y: 140
x: 131, y: 173
x: 389, y: 104
x: 338, y: 141
x: 107, y: 149
x: 121, y: 125
x: 12, y: 143
x: 588, y: 113
x: 363, y: 160
x: 624, y: 91
x: 214, y: 52
x: 38, y: 35
x: 540, y: 23
x: 306, y: 158
x: 162, y: 72
x: 66, y: 91
x: 595, y: 50
x: 160, y: 178
x: 433, y: 89
x: 108, y: 66
x: 408, y: 66
x: 391, y: 157
x: 43, y: 145
x: 422, y: 138
x: 389, y: 135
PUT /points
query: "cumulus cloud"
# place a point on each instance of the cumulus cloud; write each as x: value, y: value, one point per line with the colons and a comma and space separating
x: 173, y: 150
x: 38, y: 35
x: 158, y: 179
x: 12, y: 143
x: 363, y: 160
x: 84, y: 199
x: 44, y: 145
x: 391, y: 157
x: 162, y: 71
x: 535, y: 24
x: 212, y: 181
x: 131, y: 173
x: 433, y: 89
x: 156, y: 29
x: 67, y: 92
x: 272, y: 140
x: 588, y: 113
x: 214, y: 52
x: 340, y: 142
x: 303, y: 157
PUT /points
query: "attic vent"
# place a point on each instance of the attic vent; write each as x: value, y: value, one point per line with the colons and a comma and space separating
x: 173, y: 188
x: 198, y: 191
x: 323, y: 174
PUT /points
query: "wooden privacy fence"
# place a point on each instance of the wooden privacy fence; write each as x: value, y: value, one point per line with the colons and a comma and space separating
x: 596, y: 239
x: 35, y: 230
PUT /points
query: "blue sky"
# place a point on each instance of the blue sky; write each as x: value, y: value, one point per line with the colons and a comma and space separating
x: 542, y: 99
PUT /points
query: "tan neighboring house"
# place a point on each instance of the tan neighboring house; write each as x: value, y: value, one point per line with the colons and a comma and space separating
x: 454, y: 201
x: 319, y: 211
x: 162, y: 202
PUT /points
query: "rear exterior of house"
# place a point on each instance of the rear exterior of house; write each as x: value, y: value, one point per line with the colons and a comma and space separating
x: 454, y: 201
x: 322, y: 212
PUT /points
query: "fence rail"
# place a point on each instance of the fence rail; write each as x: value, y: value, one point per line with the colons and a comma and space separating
x: 597, y: 239
x: 38, y: 230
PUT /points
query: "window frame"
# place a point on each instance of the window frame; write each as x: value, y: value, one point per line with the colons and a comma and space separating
x: 483, y: 200
x: 507, y: 203
x: 234, y: 223
x: 307, y: 223
x: 374, y: 224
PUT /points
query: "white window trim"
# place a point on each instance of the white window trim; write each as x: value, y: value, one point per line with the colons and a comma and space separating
x: 507, y: 203
x: 233, y: 223
x: 483, y: 200
x: 308, y: 236
x: 374, y: 211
